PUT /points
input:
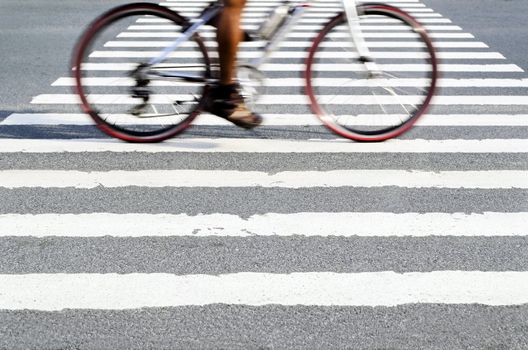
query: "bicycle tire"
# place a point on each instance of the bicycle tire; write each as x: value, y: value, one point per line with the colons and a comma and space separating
x: 356, y: 116
x: 123, y: 105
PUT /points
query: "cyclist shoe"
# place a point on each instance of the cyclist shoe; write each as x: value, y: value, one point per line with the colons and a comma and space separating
x: 226, y: 102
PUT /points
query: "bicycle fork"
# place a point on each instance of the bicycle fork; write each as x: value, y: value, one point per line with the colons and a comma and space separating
x: 352, y: 18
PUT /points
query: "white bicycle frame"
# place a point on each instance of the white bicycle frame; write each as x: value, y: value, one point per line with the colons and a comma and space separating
x: 352, y: 16
x: 296, y: 12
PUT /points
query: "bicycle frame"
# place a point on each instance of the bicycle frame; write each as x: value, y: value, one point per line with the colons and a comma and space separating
x: 296, y: 12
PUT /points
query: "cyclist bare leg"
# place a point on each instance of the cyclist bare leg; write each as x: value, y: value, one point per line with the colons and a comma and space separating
x: 226, y: 101
x: 228, y: 36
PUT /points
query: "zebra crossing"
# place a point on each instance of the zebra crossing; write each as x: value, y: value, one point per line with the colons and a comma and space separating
x: 285, y: 236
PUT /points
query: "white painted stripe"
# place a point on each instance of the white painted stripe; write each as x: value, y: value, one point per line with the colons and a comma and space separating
x: 306, y: 36
x: 322, y: 20
x: 314, y: 14
x: 294, y: 99
x: 396, y: 82
x: 233, y: 145
x: 281, y: 119
x: 265, y: 11
x: 443, y: 82
x: 272, y: 4
x: 300, y: 54
x: 303, y: 27
x: 47, y: 119
x: 397, y: 67
x: 254, y: 6
x: 53, y: 292
x: 197, y: 7
x: 267, y: 7
x: 473, y: 120
x: 310, y: 16
x: 275, y: 2
x: 319, y: 11
x: 271, y: 67
x: 485, y: 179
x: 488, y: 224
x: 304, y: 44
x: 327, y: 82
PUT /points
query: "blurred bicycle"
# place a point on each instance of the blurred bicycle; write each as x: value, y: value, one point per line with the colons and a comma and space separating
x: 356, y: 90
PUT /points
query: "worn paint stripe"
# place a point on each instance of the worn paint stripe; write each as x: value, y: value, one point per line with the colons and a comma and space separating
x: 488, y: 224
x: 52, y: 292
x: 485, y: 179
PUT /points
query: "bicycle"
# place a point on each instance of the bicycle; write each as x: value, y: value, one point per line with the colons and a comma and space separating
x: 148, y: 110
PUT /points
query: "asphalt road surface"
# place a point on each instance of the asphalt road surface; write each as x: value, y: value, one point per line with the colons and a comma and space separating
x: 278, y: 238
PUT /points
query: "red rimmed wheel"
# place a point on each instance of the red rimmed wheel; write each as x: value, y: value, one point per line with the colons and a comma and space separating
x: 372, y: 106
x: 121, y: 91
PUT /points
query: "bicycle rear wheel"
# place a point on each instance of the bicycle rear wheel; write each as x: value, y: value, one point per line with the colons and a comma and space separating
x: 124, y: 93
x: 357, y: 104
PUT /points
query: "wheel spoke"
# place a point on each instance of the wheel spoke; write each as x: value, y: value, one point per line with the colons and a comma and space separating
x: 137, y: 104
x: 383, y: 105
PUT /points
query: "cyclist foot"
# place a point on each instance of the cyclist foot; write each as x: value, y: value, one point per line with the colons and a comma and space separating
x: 226, y: 102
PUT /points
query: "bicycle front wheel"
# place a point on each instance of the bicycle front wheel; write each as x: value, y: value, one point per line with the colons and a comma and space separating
x: 365, y: 105
x: 125, y: 93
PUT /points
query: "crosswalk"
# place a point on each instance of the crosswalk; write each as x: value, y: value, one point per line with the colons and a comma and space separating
x: 284, y: 225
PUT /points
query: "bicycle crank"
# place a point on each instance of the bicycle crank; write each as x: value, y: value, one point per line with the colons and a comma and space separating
x: 140, y: 89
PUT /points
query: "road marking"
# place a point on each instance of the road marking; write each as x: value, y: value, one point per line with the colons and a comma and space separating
x: 304, y: 44
x: 311, y: 12
x: 396, y: 67
x: 484, y: 179
x: 320, y: 10
x: 275, y: 2
x: 408, y: 35
x: 54, y: 292
x: 301, y: 27
x: 276, y: 67
x: 233, y: 145
x: 327, y: 82
x: 323, y: 20
x: 311, y: 15
x: 331, y: 8
x: 488, y: 224
x: 299, y: 54
x: 281, y: 119
x: 272, y: 4
x: 115, y: 99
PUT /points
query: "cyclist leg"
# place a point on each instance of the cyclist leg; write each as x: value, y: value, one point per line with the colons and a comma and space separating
x: 225, y: 99
x: 228, y: 36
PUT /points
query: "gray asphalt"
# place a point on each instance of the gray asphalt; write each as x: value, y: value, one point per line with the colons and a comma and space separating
x: 499, y: 23
x: 269, y: 162
x: 220, y: 255
x: 436, y: 327
x: 254, y: 200
x: 36, y: 40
